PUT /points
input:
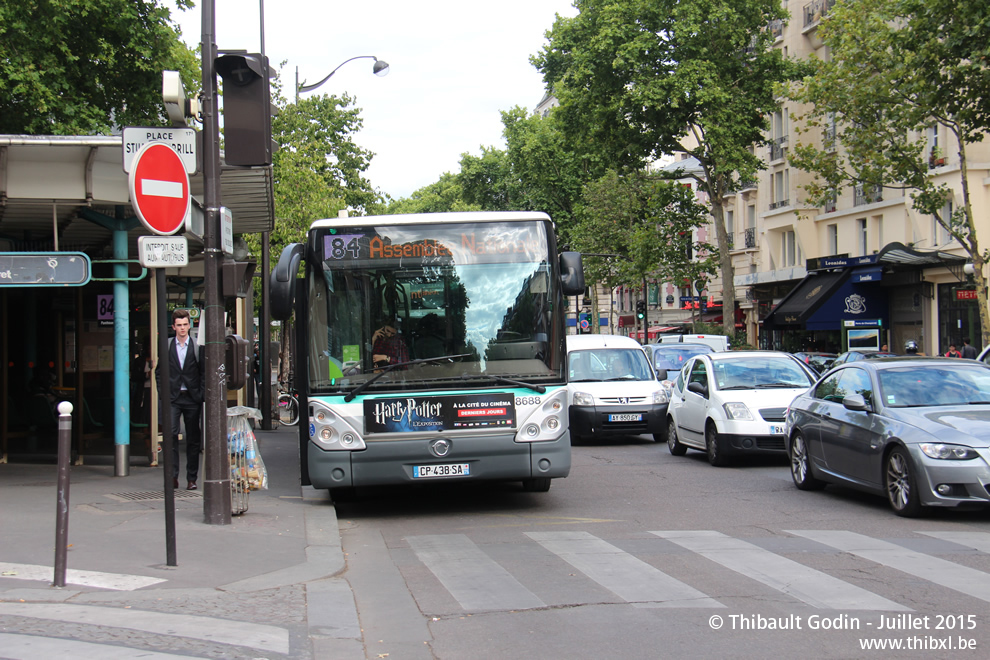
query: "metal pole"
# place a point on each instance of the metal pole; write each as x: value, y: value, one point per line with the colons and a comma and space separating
x: 121, y: 359
x: 264, y: 356
x: 216, y: 487
x: 165, y: 392
x: 62, y: 505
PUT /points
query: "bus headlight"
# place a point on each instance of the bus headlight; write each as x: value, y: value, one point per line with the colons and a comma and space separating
x: 544, y: 424
x: 330, y: 431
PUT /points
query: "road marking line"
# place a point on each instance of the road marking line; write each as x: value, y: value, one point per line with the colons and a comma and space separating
x: 210, y: 629
x: 976, y: 540
x: 946, y: 573
x: 807, y: 584
x: 629, y: 578
x: 159, y: 188
x: 472, y: 577
x: 32, y: 647
x: 114, y: 581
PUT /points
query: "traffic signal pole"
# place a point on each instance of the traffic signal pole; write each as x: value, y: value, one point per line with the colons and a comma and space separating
x: 216, y: 486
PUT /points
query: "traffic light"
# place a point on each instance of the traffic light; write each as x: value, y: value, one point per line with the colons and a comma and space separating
x: 247, y: 109
x: 640, y: 309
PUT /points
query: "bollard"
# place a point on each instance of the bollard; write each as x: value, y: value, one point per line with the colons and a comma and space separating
x: 62, y: 509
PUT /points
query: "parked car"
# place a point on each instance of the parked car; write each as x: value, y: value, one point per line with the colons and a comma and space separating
x: 612, y: 389
x: 817, y: 360
x: 854, y: 356
x: 734, y: 403
x: 717, y: 342
x: 668, y: 359
x: 913, y: 429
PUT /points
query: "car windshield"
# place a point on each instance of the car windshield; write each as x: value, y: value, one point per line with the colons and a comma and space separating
x: 759, y: 372
x: 606, y: 364
x: 678, y: 355
x: 941, y: 385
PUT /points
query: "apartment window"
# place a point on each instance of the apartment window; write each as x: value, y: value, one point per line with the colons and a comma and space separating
x: 730, y: 226
x: 940, y: 233
x: 878, y: 223
x: 779, y: 191
x: 788, y: 256
x: 863, y: 237
x: 833, y: 239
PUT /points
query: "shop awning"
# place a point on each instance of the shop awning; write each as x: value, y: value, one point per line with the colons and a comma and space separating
x: 898, y: 253
x: 806, y: 298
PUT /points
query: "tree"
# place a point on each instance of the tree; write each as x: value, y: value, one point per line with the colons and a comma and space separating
x: 83, y: 67
x: 648, y: 224
x: 445, y: 195
x: 639, y: 79
x: 487, y: 181
x: 896, y: 68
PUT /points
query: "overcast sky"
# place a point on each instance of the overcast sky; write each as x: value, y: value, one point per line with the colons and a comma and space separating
x: 454, y: 64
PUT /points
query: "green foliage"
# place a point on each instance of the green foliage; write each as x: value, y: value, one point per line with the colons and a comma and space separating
x: 446, y: 195
x: 897, y: 67
x: 84, y: 66
x: 639, y: 79
x: 487, y: 181
x: 648, y: 224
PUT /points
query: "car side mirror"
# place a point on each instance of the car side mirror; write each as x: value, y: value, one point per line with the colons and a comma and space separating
x: 661, y: 374
x: 698, y: 388
x: 855, y: 402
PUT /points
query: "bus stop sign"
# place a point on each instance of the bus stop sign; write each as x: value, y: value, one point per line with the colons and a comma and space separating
x: 159, y: 188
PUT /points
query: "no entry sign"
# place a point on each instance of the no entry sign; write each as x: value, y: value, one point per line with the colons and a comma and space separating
x: 159, y: 188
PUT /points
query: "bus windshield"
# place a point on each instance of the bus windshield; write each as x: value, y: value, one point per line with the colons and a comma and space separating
x: 421, y: 306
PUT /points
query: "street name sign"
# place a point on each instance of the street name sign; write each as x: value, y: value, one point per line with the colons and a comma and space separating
x: 159, y: 187
x: 182, y: 140
x: 44, y: 269
x: 163, y: 251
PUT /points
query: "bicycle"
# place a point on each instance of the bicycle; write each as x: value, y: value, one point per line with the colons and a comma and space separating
x: 288, y: 408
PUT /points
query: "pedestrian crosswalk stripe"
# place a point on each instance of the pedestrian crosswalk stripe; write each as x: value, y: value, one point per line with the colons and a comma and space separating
x: 630, y: 578
x: 475, y: 580
x: 945, y: 573
x: 976, y: 540
x: 115, y: 581
x: 32, y: 647
x: 806, y: 584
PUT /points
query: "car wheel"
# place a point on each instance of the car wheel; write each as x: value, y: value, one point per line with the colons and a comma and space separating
x: 716, y: 456
x: 536, y: 485
x: 343, y: 495
x: 902, y: 487
x: 673, y: 444
x: 801, y: 465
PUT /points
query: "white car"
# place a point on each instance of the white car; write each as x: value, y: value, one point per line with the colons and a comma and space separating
x: 734, y: 403
x: 612, y: 389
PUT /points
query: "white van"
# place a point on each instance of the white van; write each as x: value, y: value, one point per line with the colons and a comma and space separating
x: 612, y: 388
x: 718, y: 342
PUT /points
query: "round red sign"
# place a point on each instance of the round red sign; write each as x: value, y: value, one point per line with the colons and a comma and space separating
x: 159, y: 188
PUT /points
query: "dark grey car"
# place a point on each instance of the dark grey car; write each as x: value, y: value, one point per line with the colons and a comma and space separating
x: 916, y: 430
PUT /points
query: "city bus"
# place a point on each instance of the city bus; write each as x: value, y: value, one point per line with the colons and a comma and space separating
x: 429, y: 348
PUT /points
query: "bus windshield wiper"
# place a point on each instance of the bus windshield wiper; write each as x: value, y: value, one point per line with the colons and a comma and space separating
x: 363, y: 386
x: 507, y: 381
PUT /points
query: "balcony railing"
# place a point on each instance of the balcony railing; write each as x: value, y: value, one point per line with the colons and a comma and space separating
x: 750, y: 237
x: 869, y: 195
x: 777, y: 148
x: 814, y: 11
x: 780, y: 204
x: 831, y: 205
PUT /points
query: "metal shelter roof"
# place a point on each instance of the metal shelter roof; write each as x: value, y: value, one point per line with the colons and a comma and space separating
x: 49, y: 181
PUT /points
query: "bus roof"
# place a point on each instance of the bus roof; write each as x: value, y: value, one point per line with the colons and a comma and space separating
x: 432, y: 218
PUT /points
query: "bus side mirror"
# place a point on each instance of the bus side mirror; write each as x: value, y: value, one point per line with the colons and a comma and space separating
x: 237, y: 361
x: 571, y: 273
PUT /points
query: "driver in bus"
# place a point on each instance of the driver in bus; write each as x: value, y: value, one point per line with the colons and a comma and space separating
x: 389, y: 347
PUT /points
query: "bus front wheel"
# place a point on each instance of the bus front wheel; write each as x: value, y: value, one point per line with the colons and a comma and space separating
x: 536, y: 485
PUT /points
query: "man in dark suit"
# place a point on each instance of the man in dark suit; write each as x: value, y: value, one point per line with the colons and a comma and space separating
x: 186, y: 388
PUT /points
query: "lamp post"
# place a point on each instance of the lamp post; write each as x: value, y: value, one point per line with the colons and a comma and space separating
x: 380, y: 68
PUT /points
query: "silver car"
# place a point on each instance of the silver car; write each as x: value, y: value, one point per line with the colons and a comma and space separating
x: 916, y: 430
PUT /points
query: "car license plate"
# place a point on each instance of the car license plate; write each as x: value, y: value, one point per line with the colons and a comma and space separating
x: 776, y: 429
x: 446, y: 470
x: 629, y: 417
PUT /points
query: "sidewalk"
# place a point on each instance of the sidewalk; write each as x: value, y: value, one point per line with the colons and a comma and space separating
x: 273, y: 564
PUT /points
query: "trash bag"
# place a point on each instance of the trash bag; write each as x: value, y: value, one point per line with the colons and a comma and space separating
x: 246, y: 462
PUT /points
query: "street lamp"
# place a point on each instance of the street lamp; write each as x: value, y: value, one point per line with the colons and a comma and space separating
x: 379, y: 69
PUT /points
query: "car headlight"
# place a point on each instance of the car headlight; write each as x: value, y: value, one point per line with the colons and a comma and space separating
x: 736, y: 410
x: 947, y: 452
x: 660, y: 396
x: 583, y: 399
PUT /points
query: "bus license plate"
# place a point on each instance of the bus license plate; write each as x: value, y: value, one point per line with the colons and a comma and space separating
x: 776, y: 429
x: 446, y: 470
x: 638, y: 417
